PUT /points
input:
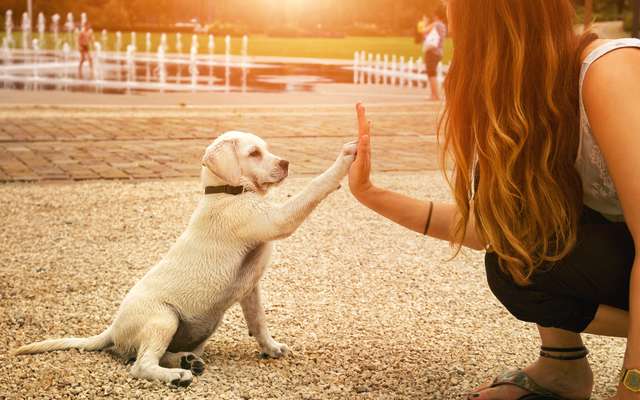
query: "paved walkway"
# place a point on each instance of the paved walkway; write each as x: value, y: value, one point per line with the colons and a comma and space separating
x: 114, y: 142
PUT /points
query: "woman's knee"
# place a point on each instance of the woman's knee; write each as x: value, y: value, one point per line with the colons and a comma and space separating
x: 532, y: 304
x: 504, y: 289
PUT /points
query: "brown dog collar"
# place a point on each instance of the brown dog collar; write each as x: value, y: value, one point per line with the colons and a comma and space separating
x: 228, y: 189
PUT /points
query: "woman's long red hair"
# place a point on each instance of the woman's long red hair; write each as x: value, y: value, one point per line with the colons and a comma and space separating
x: 512, y: 112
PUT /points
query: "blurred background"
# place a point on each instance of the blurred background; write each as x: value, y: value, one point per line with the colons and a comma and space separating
x: 275, y: 17
x: 141, y: 46
x: 390, y: 22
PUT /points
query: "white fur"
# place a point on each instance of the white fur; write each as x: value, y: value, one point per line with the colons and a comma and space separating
x: 167, y: 317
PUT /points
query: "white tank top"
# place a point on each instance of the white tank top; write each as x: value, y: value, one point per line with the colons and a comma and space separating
x: 599, y: 192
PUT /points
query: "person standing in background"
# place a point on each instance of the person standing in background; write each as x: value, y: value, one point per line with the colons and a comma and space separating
x: 433, y: 48
x: 84, y: 39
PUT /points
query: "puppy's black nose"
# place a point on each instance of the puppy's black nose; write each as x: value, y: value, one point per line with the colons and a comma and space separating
x: 284, y: 164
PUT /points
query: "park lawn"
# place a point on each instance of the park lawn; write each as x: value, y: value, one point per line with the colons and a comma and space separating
x: 340, y: 48
x: 260, y: 45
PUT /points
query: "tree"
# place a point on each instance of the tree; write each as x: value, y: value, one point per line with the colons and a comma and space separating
x: 588, y: 13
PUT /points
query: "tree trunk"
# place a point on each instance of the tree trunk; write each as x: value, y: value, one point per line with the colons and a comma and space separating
x: 636, y: 18
x: 588, y: 13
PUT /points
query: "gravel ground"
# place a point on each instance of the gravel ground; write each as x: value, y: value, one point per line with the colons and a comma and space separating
x: 368, y: 309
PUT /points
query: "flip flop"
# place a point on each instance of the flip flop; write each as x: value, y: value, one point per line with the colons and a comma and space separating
x: 520, y: 379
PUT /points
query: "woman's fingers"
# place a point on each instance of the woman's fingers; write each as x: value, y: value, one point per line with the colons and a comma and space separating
x: 363, y: 125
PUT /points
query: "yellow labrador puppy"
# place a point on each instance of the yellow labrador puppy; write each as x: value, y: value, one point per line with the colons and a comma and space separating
x: 166, y: 318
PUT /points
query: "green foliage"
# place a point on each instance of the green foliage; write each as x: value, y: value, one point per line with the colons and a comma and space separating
x: 254, y: 16
x: 606, y: 10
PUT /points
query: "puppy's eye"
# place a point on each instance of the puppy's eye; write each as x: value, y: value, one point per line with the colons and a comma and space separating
x: 255, y: 153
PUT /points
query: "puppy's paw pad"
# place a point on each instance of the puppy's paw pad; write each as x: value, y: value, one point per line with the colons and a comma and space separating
x: 197, y: 367
x: 181, y: 383
x: 184, y: 379
x: 193, y: 363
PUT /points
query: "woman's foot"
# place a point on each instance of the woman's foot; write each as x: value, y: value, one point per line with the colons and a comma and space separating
x: 568, y: 379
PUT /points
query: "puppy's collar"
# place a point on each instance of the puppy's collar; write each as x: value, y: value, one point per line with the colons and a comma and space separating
x: 228, y: 189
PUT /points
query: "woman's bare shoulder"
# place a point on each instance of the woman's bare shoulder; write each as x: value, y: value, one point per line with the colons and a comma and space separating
x: 592, y: 46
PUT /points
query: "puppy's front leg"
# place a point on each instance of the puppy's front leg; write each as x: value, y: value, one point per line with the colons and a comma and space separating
x: 255, y: 317
x: 277, y: 222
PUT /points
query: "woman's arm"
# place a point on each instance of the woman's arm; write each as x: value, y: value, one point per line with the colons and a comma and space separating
x: 403, y: 210
x: 611, y: 95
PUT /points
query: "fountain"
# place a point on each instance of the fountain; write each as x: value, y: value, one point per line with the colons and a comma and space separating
x: 134, y: 41
x: 55, y: 20
x: 162, y: 71
x: 394, y: 69
x: 178, y: 42
x: 356, y: 67
x: 212, y: 49
x: 8, y: 27
x: 179, y: 51
x: 41, y: 28
x: 36, y: 53
x: 104, y: 38
x: 363, y: 66
x: 227, y: 62
x: 26, y: 30
x: 69, y: 25
x: 66, y: 49
x: 98, y: 72
x: 6, y: 60
x: 131, y: 67
x: 420, y: 70
x: 194, y: 42
x: 410, y: 72
x: 193, y: 67
x: 385, y: 68
x: 147, y: 42
x: 117, y: 56
x: 76, y: 33
x: 245, y: 48
x: 50, y: 62
x: 245, y: 61
x: 147, y: 49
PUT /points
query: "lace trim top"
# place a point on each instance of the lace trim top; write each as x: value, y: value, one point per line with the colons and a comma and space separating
x: 599, y: 191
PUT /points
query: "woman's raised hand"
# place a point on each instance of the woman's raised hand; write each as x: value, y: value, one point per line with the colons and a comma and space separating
x: 359, y: 181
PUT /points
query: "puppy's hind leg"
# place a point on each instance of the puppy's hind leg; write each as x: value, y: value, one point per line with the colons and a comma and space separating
x: 156, y: 337
x: 254, y: 315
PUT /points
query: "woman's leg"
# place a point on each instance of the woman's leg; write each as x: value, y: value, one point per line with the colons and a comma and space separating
x: 568, y: 298
x: 569, y: 379
x: 433, y: 84
x: 609, y: 321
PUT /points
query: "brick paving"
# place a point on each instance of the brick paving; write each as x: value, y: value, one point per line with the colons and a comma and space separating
x: 41, y: 144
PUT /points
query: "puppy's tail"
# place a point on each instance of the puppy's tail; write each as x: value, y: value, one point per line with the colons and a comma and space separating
x: 91, y: 343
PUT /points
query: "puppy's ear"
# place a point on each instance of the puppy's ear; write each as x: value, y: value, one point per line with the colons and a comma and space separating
x: 222, y: 160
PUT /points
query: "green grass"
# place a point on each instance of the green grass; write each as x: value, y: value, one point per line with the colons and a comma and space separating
x: 339, y: 48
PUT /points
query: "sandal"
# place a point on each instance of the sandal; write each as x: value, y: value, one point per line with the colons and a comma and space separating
x: 520, y: 379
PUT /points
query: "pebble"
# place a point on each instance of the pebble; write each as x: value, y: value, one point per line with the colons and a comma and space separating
x: 362, y: 389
